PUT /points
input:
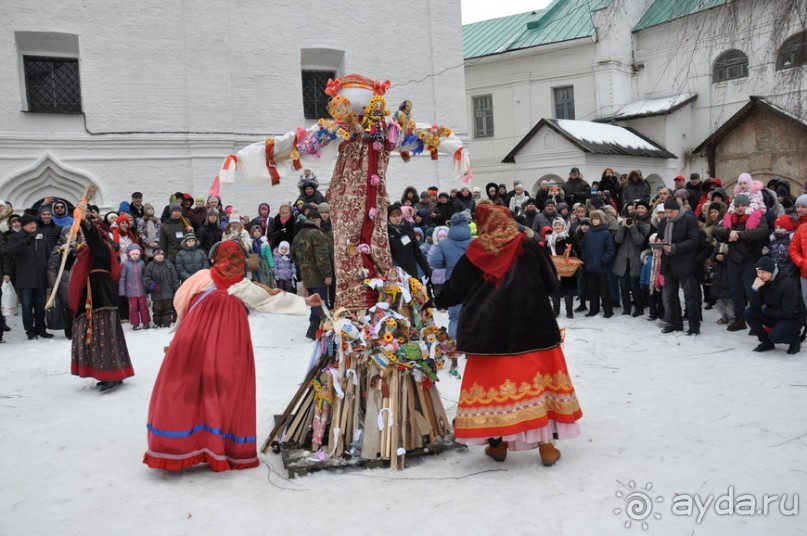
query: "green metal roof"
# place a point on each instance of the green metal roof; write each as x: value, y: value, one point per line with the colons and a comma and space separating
x: 666, y: 10
x: 562, y: 20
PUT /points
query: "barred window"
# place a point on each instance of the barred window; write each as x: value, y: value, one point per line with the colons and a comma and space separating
x: 564, y: 102
x: 483, y: 116
x: 52, y: 84
x: 730, y: 65
x: 315, y: 101
x: 793, y: 52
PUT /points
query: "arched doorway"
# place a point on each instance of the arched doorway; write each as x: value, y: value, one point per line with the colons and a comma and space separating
x: 46, y: 178
x: 551, y: 178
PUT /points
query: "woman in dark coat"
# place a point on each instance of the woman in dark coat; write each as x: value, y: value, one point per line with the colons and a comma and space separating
x: 403, y: 244
x: 556, y: 243
x: 516, y: 391
x: 598, y: 257
x: 99, y: 347
x: 282, y: 227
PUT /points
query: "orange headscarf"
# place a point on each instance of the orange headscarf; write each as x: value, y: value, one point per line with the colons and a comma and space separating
x: 499, y: 242
x: 229, y: 264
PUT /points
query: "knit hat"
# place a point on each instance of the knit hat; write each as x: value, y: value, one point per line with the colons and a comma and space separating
x: 158, y: 251
x: 585, y: 221
x: 802, y: 200
x: 133, y: 247
x: 423, y: 194
x: 741, y: 199
x: 175, y: 207
x: 671, y: 204
x: 560, y: 206
x: 200, y: 199
x: 393, y: 208
x: 477, y: 190
x: 188, y: 236
x: 324, y: 207
x: 766, y: 264
x: 784, y: 221
x: 458, y: 218
x: 552, y: 202
x: 683, y: 193
x: 123, y: 216
x: 745, y: 178
x: 659, y: 208
x: 26, y: 219
x: 596, y: 202
x: 283, y: 244
x: 235, y: 217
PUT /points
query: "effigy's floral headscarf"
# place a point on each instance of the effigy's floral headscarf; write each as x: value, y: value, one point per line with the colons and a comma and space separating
x: 229, y: 264
x: 499, y: 241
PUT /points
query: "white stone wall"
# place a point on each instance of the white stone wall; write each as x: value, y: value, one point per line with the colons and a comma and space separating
x: 170, y: 88
x: 623, y: 67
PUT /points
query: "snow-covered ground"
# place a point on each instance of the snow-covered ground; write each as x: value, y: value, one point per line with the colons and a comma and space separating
x: 683, y: 415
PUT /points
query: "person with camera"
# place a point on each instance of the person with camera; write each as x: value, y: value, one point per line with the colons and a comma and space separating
x: 29, y: 249
x: 630, y: 239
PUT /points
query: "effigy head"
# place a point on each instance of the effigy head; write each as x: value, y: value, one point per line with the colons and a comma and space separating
x: 357, y: 90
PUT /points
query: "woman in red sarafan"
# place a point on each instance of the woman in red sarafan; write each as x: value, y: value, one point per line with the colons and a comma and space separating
x: 202, y: 408
x: 516, y: 392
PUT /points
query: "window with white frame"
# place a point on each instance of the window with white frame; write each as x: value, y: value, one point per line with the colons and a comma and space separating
x: 563, y: 98
x: 317, y: 66
x: 483, y: 116
x: 730, y: 65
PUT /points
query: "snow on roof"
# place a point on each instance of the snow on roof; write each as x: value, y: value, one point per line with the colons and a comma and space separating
x: 604, y: 134
x: 648, y: 107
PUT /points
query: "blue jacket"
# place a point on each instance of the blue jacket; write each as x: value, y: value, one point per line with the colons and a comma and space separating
x: 600, y: 249
x: 451, y: 249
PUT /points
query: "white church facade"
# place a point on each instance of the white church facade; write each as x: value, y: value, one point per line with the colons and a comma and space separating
x: 151, y: 96
x: 673, y: 73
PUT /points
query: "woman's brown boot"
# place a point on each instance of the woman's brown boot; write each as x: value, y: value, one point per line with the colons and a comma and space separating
x: 549, y: 454
x: 499, y: 452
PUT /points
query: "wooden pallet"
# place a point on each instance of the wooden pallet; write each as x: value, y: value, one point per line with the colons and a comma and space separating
x: 300, y: 462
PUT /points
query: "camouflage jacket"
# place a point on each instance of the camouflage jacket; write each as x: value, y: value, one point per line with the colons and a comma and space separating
x: 310, y: 252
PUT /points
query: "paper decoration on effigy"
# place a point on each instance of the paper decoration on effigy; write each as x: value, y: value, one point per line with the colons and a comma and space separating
x: 370, y: 393
x: 360, y: 136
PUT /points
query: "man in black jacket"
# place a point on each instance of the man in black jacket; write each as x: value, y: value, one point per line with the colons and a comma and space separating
x: 681, y: 238
x: 403, y: 244
x: 775, y: 302
x: 48, y: 227
x: 30, y: 251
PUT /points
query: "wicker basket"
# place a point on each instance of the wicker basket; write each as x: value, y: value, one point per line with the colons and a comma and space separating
x: 565, y: 265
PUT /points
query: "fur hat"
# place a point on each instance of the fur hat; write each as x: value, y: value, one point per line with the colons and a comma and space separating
x: 766, y: 264
x: 741, y: 200
x: 597, y: 214
x: 26, y: 219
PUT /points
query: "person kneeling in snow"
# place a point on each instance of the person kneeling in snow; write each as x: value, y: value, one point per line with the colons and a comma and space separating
x: 775, y: 305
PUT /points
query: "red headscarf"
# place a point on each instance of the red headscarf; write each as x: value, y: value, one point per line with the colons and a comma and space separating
x: 229, y: 264
x: 499, y: 242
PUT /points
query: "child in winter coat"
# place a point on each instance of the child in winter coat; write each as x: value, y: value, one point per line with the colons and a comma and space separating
x: 756, y: 209
x: 190, y: 258
x: 266, y: 273
x: 439, y: 234
x: 161, y: 280
x: 131, y: 285
x: 285, y: 268
x: 779, y: 244
x: 556, y: 244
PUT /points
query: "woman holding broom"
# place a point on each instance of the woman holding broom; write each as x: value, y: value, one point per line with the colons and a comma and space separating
x: 516, y: 392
